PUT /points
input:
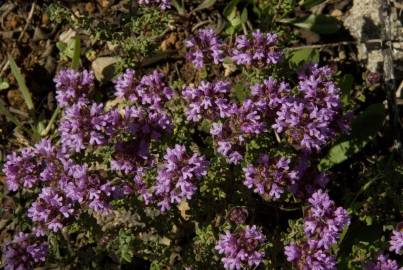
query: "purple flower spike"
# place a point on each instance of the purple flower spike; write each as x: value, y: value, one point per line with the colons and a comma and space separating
x: 258, y: 50
x: 396, y: 242
x: 203, y: 48
x: 208, y: 100
x: 162, y: 4
x: 178, y: 177
x: 310, y: 119
x: 51, y: 209
x: 271, y: 177
x: 24, y: 252
x: 72, y: 86
x: 241, y: 248
x: 323, y: 225
x: 382, y: 263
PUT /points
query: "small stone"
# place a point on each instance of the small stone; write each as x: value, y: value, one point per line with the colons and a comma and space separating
x: 336, y: 13
x: 104, y: 68
x: 66, y: 36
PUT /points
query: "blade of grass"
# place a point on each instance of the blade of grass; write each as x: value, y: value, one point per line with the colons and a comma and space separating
x: 75, y: 63
x: 21, y: 84
x: 51, y: 122
x: 12, y: 118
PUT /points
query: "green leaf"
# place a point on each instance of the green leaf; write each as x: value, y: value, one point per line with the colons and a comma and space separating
x: 320, y: 24
x: 4, y: 84
x: 346, y: 84
x: 230, y: 8
x: 339, y: 153
x: 179, y: 6
x: 21, y: 84
x: 205, y: 4
x: 241, y: 93
x: 12, y: 118
x: 364, y: 127
x: 76, y: 53
x: 302, y: 56
x: 310, y: 3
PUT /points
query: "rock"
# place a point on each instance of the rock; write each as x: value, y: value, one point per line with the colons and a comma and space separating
x: 104, y: 68
x: 66, y: 36
x: 364, y: 23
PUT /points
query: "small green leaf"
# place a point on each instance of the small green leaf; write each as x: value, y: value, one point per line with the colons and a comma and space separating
x: 310, y: 3
x: 230, y: 8
x: 364, y: 127
x: 76, y: 53
x: 4, y: 84
x: 320, y: 24
x: 205, y: 4
x: 302, y: 56
x: 21, y: 84
x: 346, y: 84
x: 241, y: 93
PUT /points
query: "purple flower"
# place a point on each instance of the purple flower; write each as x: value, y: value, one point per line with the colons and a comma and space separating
x: 162, y: 4
x: 323, y: 225
x: 84, y: 124
x: 51, y: 209
x: 230, y: 137
x: 396, y: 242
x: 269, y: 95
x: 86, y: 188
x: 309, y: 256
x: 24, y: 252
x: 203, y: 48
x: 178, y: 177
x: 258, y: 50
x: 271, y: 177
x: 241, y: 248
x: 132, y: 134
x: 324, y: 221
x: 208, y: 100
x: 71, y: 86
x: 32, y: 166
x: 310, y: 118
x: 151, y: 90
x: 238, y: 215
x: 382, y: 263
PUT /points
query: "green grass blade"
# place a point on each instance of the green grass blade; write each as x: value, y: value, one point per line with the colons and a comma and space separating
x: 75, y: 63
x: 21, y: 84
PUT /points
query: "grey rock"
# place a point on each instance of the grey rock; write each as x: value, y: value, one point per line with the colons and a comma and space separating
x: 104, y: 68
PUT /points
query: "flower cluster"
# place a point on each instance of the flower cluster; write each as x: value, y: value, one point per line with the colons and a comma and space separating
x: 204, y: 47
x: 396, y: 242
x: 210, y: 100
x: 322, y: 225
x: 84, y: 124
x: 150, y: 90
x: 308, y: 119
x: 72, y: 86
x: 177, y: 178
x: 230, y: 134
x: 241, y: 248
x: 31, y: 166
x: 271, y: 177
x: 258, y: 50
x: 269, y: 95
x: 162, y: 4
x: 382, y: 263
x: 24, y: 252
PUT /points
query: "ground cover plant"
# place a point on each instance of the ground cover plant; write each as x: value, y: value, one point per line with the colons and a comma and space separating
x: 228, y: 151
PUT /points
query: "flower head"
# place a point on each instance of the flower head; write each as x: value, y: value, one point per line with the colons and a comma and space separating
x: 258, y: 50
x: 241, y: 248
x: 203, y: 48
